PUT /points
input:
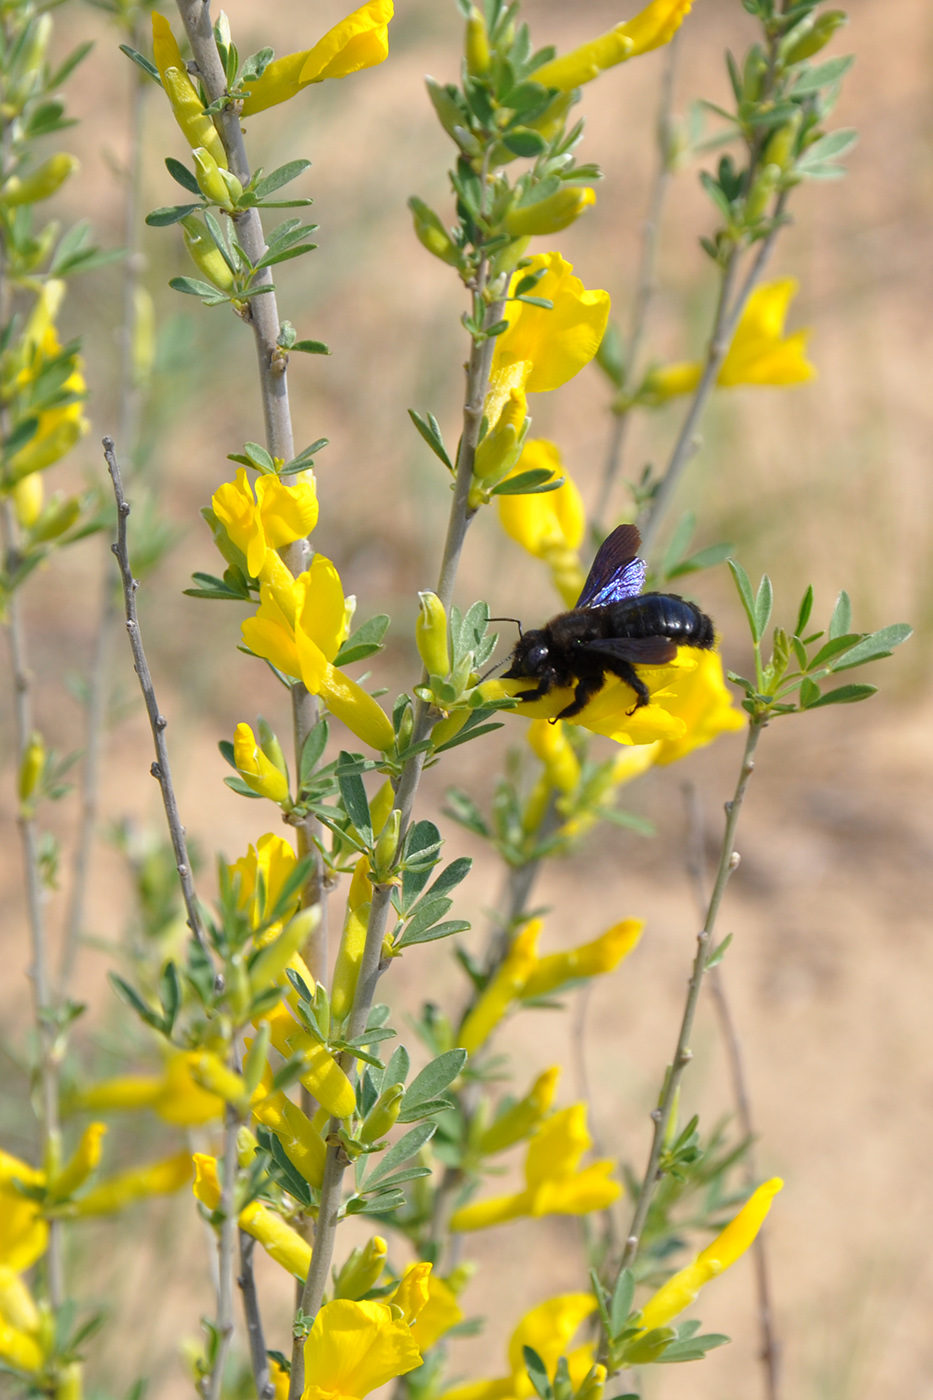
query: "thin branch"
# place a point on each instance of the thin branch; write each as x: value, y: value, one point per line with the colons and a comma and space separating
x: 157, y: 721
x: 646, y: 284
x: 259, y: 1361
x: 770, y: 1354
x: 728, y: 861
x: 43, y: 1000
x: 228, y: 1235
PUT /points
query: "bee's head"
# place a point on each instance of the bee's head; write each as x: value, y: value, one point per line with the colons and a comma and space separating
x: 530, y: 656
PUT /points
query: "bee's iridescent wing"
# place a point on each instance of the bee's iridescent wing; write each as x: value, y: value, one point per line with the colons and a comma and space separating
x: 617, y: 572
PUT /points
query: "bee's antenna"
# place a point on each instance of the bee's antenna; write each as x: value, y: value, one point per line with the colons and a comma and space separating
x: 499, y: 664
x: 508, y: 619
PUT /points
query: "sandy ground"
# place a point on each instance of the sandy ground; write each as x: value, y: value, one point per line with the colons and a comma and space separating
x: 831, y: 964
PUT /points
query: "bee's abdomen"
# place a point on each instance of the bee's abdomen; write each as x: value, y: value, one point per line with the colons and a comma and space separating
x: 662, y: 615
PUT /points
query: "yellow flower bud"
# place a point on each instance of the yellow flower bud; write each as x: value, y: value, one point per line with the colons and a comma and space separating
x: 30, y: 769
x: 205, y: 254
x: 257, y: 771
x: 505, y: 986
x: 42, y: 183
x: 500, y: 449
x: 593, y: 1383
x: 247, y: 1145
x: 350, y: 953
x: 271, y: 961
x: 431, y: 233
x: 197, y: 128
x: 27, y: 499
x: 212, y: 1074
x: 58, y: 516
x: 759, y: 196
x: 588, y: 960
x: 69, y: 1383
x: 387, y: 844
x: 381, y: 1117
x: 208, y: 175
x: 85, y: 1160
x: 520, y: 1121
x: 362, y: 1270
x: 304, y: 1146
x: 379, y: 810
x: 478, y: 57
x: 551, y: 214
x: 431, y: 635
x: 449, y: 728
x: 780, y: 148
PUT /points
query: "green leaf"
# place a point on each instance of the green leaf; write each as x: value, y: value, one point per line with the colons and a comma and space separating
x: 718, y: 953
x: 193, y: 287
x: 430, y: 431
x: 426, y: 913
x: 764, y: 602
x: 680, y: 540
x: 530, y: 483
x: 829, y: 147
x: 430, y: 935
x: 182, y: 175
x: 433, y: 1079
x: 142, y: 62
x: 286, y: 1173
x: 451, y: 876
x: 537, y: 1373
x: 134, y: 1000
x: 238, y: 785
x: 524, y: 141
x: 425, y: 1110
x: 809, y: 694
x: 806, y: 608
x: 282, y: 176
x: 310, y: 347
x: 875, y: 646
x: 703, y: 559
x: 836, y: 647
x: 622, y: 1298
x: 841, y: 620
x: 170, y: 994
x: 311, y: 751
x: 354, y: 800
x: 406, y: 1147
x: 812, y: 79
x: 694, y: 1349
x: 842, y: 695
x: 170, y: 214
x: 365, y: 641
x: 399, y: 1178
x: 744, y: 588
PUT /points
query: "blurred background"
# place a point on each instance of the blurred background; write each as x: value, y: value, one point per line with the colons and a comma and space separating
x: 830, y: 969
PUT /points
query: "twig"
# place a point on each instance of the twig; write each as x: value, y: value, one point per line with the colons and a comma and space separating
x: 728, y: 861
x: 770, y: 1353
x: 257, y: 1342
x: 44, y: 1003
x: 157, y: 721
x: 228, y: 1235
x: 100, y: 670
x: 646, y: 284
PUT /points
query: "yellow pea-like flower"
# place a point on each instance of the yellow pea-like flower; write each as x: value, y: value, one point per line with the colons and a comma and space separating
x: 354, y: 1348
x: 85, y: 1160
x: 503, y: 989
x: 361, y: 40
x: 256, y: 769
x: 519, y: 1121
x: 197, y: 128
x: 653, y: 26
x: 588, y: 960
x: 157, y: 1179
x: 278, y: 1239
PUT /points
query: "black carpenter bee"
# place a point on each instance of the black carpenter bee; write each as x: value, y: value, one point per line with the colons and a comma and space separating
x: 613, y: 628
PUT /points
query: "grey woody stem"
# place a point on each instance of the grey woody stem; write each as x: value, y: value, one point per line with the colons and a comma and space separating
x: 371, y: 963
x: 259, y: 1361
x: 228, y: 1237
x: 43, y: 1001
x: 728, y: 861
x: 161, y: 769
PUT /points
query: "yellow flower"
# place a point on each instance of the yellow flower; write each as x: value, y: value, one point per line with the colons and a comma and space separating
x: 588, y: 960
x: 256, y: 770
x: 439, y: 1313
x: 299, y: 627
x: 361, y: 40
x: 62, y: 425
x: 542, y: 349
x: 263, y: 871
x: 84, y: 1161
x: 728, y: 1246
x: 277, y: 516
x: 550, y: 525
x: 23, y: 1233
x: 704, y: 704
x: 550, y: 743
x: 502, y: 989
x: 653, y: 26
x: 548, y: 1330
x: 20, y: 1325
x: 760, y: 352
x: 553, y: 1183
x: 174, y: 1095
x: 354, y: 1348
x: 278, y: 1239
x: 197, y: 128
x: 519, y: 1121
x: 115, y: 1192
x: 303, y: 1144
x: 322, y: 1076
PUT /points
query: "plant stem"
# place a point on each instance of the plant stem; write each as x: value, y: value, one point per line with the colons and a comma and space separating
x: 130, y: 398
x: 43, y: 1001
x: 259, y: 1361
x: 157, y: 721
x: 272, y: 362
x: 728, y: 860
x: 228, y: 1235
x: 770, y: 1353
x: 646, y: 284
x: 371, y: 962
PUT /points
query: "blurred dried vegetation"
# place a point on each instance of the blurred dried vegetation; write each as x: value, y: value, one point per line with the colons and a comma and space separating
x: 829, y: 482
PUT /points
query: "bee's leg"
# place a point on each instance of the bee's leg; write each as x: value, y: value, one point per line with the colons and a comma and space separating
x: 544, y: 687
x: 626, y: 672
x: 584, y: 691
